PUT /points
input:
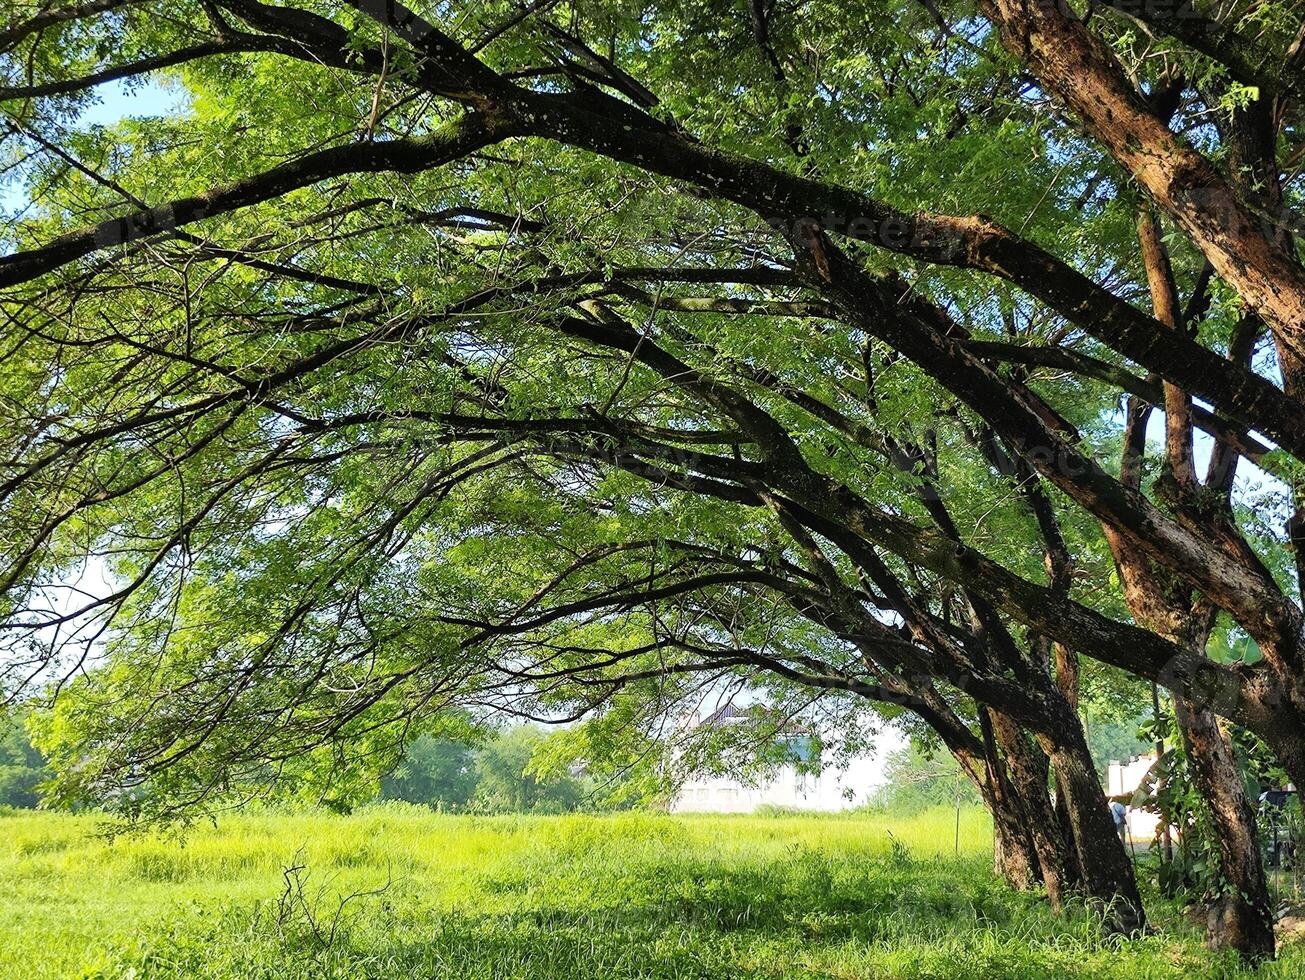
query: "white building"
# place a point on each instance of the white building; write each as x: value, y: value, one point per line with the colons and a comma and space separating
x: 833, y: 788
x: 1123, y: 779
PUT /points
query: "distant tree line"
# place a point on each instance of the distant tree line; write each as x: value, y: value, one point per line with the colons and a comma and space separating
x: 22, y: 766
x: 502, y: 774
x: 506, y: 771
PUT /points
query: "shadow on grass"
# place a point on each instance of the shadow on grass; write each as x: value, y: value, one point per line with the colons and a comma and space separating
x: 807, y: 915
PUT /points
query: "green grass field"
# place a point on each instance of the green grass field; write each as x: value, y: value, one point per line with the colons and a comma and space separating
x: 633, y: 895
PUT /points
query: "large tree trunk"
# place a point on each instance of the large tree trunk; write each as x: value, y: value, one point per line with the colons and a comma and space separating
x: 1015, y: 858
x: 1067, y: 682
x: 1072, y: 872
x: 1013, y: 855
x: 1027, y: 766
x: 1108, y: 878
x: 1242, y: 918
x: 1079, y: 69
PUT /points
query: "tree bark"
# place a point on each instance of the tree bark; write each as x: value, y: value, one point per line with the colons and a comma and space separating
x: 1013, y: 859
x: 1244, y: 247
x: 1242, y: 918
x: 1108, y: 878
x: 1028, y: 772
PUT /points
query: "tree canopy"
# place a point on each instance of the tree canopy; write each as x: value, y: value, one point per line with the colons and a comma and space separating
x: 593, y: 360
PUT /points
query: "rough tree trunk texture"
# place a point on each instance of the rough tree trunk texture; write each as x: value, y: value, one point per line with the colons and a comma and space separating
x: 1067, y: 681
x: 1108, y: 877
x: 1015, y: 857
x: 1242, y: 919
x: 1077, y: 67
x: 1027, y: 770
x: 1027, y: 767
x: 1166, y: 840
x: 1072, y: 872
x: 1252, y: 158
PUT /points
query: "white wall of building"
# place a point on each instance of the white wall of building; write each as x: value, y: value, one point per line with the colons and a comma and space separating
x: 832, y: 789
x: 1125, y: 777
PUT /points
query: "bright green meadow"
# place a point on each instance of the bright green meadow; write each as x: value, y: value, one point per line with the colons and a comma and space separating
x: 397, y: 891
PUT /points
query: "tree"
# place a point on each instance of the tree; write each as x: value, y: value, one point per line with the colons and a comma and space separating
x: 408, y: 379
x: 917, y: 778
x: 22, y: 767
x: 434, y: 771
x: 1116, y: 740
x: 509, y: 782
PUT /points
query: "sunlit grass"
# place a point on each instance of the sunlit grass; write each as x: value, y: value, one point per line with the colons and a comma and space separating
x: 631, y: 895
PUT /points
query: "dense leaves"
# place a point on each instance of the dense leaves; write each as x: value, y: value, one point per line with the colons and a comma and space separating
x: 612, y: 362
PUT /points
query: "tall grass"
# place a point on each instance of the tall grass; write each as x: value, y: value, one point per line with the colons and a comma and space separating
x: 396, y: 891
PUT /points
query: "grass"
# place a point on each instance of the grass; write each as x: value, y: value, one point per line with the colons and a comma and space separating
x: 632, y: 895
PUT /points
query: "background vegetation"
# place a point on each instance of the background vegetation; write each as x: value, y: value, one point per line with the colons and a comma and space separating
x: 509, y: 772
x: 513, y: 770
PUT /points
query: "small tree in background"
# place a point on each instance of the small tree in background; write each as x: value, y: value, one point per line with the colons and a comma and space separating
x: 22, y: 766
x: 508, y: 780
x: 920, y: 777
x: 435, y: 771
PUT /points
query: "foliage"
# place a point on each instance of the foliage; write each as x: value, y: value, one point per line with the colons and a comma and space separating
x: 434, y: 771
x: 22, y: 767
x: 1118, y: 739
x: 519, y: 769
x: 1194, y: 870
x: 918, y: 777
x: 509, y: 782
x: 359, y: 517
x: 385, y: 389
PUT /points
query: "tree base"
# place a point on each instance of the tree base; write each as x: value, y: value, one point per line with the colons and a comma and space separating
x: 1235, y: 924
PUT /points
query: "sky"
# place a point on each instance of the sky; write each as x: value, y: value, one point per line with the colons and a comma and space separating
x: 116, y: 102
